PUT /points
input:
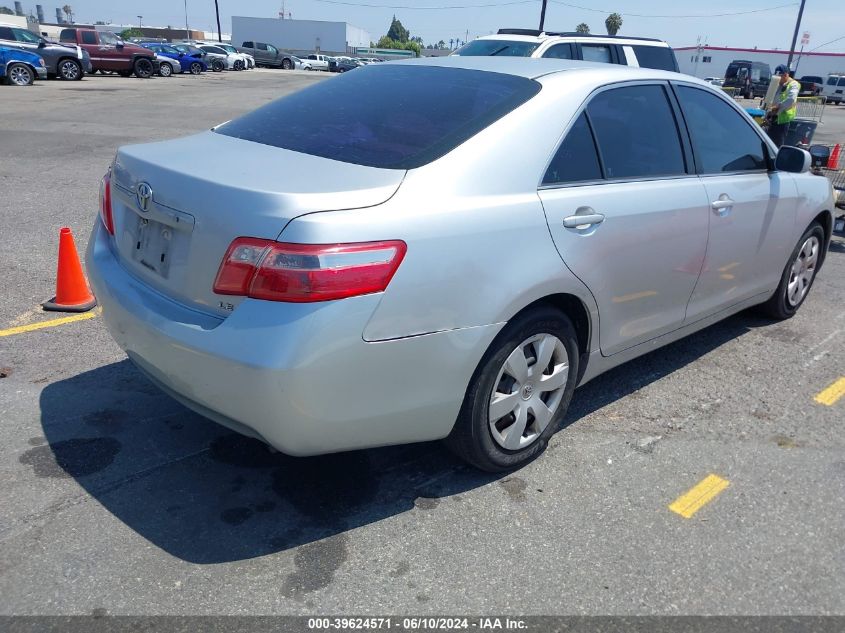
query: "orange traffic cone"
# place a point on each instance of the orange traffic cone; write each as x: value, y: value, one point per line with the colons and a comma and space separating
x: 72, y: 292
x: 833, y: 161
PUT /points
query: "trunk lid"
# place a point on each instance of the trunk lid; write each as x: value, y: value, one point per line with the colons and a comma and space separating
x: 177, y: 205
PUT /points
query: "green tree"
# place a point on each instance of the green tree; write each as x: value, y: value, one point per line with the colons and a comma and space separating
x: 68, y: 12
x: 386, y: 42
x: 133, y: 32
x: 441, y: 45
x: 582, y: 28
x: 613, y: 23
x: 398, y: 32
x: 6, y: 11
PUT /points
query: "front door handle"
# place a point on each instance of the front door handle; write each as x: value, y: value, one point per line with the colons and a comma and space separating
x: 583, y: 219
x: 724, y: 202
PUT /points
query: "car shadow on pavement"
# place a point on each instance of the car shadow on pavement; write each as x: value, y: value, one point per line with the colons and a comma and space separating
x: 206, y: 495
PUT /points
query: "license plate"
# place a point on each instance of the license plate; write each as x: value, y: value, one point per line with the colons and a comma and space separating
x: 152, y: 246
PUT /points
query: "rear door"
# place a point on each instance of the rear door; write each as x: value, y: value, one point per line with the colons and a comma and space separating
x: 627, y: 213
x: 600, y: 52
x: 561, y: 51
x: 752, y: 211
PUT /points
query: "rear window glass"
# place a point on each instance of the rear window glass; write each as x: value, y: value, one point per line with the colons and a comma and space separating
x: 390, y: 116
x: 659, y: 57
x: 500, y: 48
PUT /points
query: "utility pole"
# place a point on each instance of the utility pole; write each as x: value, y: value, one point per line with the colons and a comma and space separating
x: 217, y: 10
x: 795, y: 36
x: 543, y: 15
x: 139, y: 21
x: 187, y: 31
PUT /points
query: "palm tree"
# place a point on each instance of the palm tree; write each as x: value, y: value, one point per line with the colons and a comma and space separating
x: 582, y: 28
x: 451, y: 42
x: 68, y: 12
x: 613, y: 23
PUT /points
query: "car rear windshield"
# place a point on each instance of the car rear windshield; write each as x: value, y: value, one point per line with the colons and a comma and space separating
x: 499, y: 48
x: 659, y: 57
x: 389, y: 116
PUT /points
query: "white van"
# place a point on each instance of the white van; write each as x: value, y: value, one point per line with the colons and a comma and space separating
x: 834, y: 88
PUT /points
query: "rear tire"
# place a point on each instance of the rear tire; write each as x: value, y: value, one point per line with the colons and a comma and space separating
x: 165, y: 70
x: 798, y: 275
x: 218, y: 66
x: 70, y: 70
x: 515, y: 401
x: 143, y: 68
x: 19, y: 74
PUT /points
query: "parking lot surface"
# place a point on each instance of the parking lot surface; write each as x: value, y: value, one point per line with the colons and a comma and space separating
x: 118, y: 500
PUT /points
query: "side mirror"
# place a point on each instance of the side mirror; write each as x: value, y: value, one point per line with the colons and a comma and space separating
x: 119, y: 45
x: 820, y: 154
x: 793, y: 159
x: 181, y: 54
x: 42, y: 44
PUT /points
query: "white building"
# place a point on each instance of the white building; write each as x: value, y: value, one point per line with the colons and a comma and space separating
x: 299, y: 35
x: 712, y: 61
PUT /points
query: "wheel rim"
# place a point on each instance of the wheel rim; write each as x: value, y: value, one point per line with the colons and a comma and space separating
x: 70, y: 70
x: 803, y: 270
x: 166, y: 70
x: 144, y: 68
x: 20, y: 76
x: 286, y: 65
x: 528, y: 391
x: 196, y: 69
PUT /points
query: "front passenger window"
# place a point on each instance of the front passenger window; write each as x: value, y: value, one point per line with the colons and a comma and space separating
x: 559, y: 51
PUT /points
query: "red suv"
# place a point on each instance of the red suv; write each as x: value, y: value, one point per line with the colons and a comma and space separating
x: 110, y: 53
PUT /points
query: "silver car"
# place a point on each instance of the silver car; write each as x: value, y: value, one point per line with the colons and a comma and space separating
x: 454, y: 266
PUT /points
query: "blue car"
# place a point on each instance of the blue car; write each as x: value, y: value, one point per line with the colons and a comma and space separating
x: 19, y: 68
x: 182, y: 62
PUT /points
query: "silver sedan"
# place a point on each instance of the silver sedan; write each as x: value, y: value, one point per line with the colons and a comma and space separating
x: 453, y: 266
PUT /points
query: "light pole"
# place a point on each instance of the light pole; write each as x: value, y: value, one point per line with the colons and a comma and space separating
x: 139, y: 21
x: 187, y: 32
x: 795, y: 36
x: 217, y: 10
x: 543, y: 15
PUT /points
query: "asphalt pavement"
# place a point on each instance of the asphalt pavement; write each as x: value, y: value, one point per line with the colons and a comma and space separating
x: 117, y: 500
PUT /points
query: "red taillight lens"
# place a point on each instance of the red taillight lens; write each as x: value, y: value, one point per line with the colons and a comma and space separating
x: 302, y: 273
x: 105, y: 203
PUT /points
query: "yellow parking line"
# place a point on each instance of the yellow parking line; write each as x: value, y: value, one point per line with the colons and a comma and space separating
x: 830, y: 395
x: 52, y: 323
x: 698, y: 496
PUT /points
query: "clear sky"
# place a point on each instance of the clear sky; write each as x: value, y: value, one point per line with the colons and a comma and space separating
x: 824, y: 19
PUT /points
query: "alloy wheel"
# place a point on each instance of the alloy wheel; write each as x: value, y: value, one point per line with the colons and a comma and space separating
x: 69, y: 70
x: 803, y: 270
x: 528, y: 391
x: 20, y: 75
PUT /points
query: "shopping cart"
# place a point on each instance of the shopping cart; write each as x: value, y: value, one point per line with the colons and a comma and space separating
x: 836, y: 175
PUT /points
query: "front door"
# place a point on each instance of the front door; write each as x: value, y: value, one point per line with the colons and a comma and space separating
x: 630, y: 220
x: 752, y: 210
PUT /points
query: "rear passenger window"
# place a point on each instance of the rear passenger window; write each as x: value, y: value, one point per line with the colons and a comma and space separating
x: 89, y: 37
x: 559, y: 51
x: 636, y: 133
x: 596, y: 53
x: 576, y: 159
x: 660, y: 57
x: 722, y: 139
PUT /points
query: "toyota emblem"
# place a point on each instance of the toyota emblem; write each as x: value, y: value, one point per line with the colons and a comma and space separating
x: 144, y: 194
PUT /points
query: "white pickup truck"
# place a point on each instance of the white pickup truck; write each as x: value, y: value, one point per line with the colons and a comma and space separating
x: 316, y: 62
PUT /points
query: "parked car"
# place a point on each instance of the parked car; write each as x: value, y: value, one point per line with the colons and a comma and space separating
x: 716, y: 81
x: 834, y: 88
x: 20, y: 68
x: 811, y: 86
x: 749, y: 79
x: 233, y: 62
x: 175, y: 61
x: 249, y: 60
x: 268, y: 55
x: 316, y: 62
x: 65, y: 62
x: 217, y: 62
x: 628, y: 51
x: 343, y: 65
x: 332, y: 314
x: 110, y: 53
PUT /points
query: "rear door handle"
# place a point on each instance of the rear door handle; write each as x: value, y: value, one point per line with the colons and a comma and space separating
x: 584, y: 219
x: 724, y: 202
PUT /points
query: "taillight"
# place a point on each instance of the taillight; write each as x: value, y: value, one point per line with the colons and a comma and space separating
x: 105, y: 203
x: 303, y: 273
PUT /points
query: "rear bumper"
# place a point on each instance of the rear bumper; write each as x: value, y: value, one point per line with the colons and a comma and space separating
x: 298, y: 376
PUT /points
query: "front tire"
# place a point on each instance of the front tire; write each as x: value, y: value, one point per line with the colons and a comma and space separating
x: 287, y: 64
x: 239, y: 65
x: 519, y: 393
x: 143, y: 68
x: 20, y: 75
x: 798, y: 275
x: 196, y: 68
x: 165, y: 70
x: 70, y: 70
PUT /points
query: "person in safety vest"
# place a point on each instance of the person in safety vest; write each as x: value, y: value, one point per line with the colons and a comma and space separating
x: 784, y: 108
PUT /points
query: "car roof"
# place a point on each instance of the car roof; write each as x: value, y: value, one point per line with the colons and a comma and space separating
x: 533, y: 36
x: 533, y: 68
